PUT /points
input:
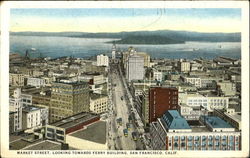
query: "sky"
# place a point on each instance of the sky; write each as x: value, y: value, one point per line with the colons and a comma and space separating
x: 125, y: 19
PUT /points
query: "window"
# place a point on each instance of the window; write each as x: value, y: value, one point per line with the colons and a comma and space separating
x: 176, y: 138
x: 50, y: 129
x: 60, y: 137
x: 59, y: 132
x: 49, y: 135
x: 190, y: 138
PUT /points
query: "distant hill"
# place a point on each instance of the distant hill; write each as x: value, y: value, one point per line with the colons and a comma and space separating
x: 174, y: 35
x: 153, y: 39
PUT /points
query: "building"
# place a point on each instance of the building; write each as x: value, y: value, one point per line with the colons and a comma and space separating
x: 36, y: 82
x: 98, y: 103
x: 113, y: 52
x: 194, y: 80
x: 191, y: 112
x: 68, y: 98
x: 183, y: 66
x: 157, y: 76
x: 17, y: 103
x: 16, y: 79
x: 138, y: 86
x: 92, y: 137
x: 161, y: 99
x: 196, y: 66
x: 102, y: 60
x: 226, y: 88
x: 172, y: 132
x: 131, y: 51
x: 145, y: 108
x: 58, y: 130
x: 99, y: 79
x: 11, y: 122
x: 34, y: 117
x: 208, y: 102
x: 135, y: 68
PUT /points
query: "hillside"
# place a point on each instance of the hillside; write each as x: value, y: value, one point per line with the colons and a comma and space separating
x: 147, y: 40
x: 173, y: 35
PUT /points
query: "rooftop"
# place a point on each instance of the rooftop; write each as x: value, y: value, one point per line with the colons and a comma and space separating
x: 19, y: 144
x: 44, y: 145
x: 97, y: 96
x: 173, y: 120
x: 216, y: 122
x: 199, y: 129
x: 95, y: 132
x: 30, y: 108
x: 75, y: 119
x: 68, y: 82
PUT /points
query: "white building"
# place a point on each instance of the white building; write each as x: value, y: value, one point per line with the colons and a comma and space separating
x: 16, y: 79
x: 184, y: 66
x: 31, y: 117
x: 98, y: 103
x: 99, y: 79
x: 35, y: 117
x: 157, y: 76
x: 208, y: 102
x: 17, y: 103
x: 102, y: 60
x: 190, y: 112
x: 135, y: 68
x: 196, y: 66
x: 227, y: 88
x: 194, y: 80
x: 36, y: 82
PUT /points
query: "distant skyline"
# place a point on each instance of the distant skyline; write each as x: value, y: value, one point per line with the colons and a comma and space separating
x: 126, y: 19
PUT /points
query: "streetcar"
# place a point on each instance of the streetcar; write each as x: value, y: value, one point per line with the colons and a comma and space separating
x: 119, y: 121
x: 128, y: 125
x: 134, y: 136
x: 125, y: 132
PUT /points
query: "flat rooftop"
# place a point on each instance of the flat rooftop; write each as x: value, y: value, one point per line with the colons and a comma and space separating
x: 216, y: 122
x: 30, y: 108
x: 199, y: 129
x: 45, y: 145
x: 74, y: 119
x: 95, y: 132
x: 97, y: 96
x: 20, y: 144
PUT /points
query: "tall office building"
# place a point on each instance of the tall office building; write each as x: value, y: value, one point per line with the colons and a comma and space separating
x: 131, y: 51
x: 102, y: 60
x: 135, y: 68
x: 161, y: 99
x: 184, y: 66
x: 68, y: 98
x: 17, y: 103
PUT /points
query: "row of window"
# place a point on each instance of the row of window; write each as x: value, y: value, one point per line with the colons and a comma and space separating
x: 204, y: 138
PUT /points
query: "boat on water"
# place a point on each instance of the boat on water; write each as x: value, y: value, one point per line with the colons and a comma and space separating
x: 33, y: 49
x: 190, y: 49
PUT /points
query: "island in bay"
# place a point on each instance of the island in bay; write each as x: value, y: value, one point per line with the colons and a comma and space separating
x: 154, y: 39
